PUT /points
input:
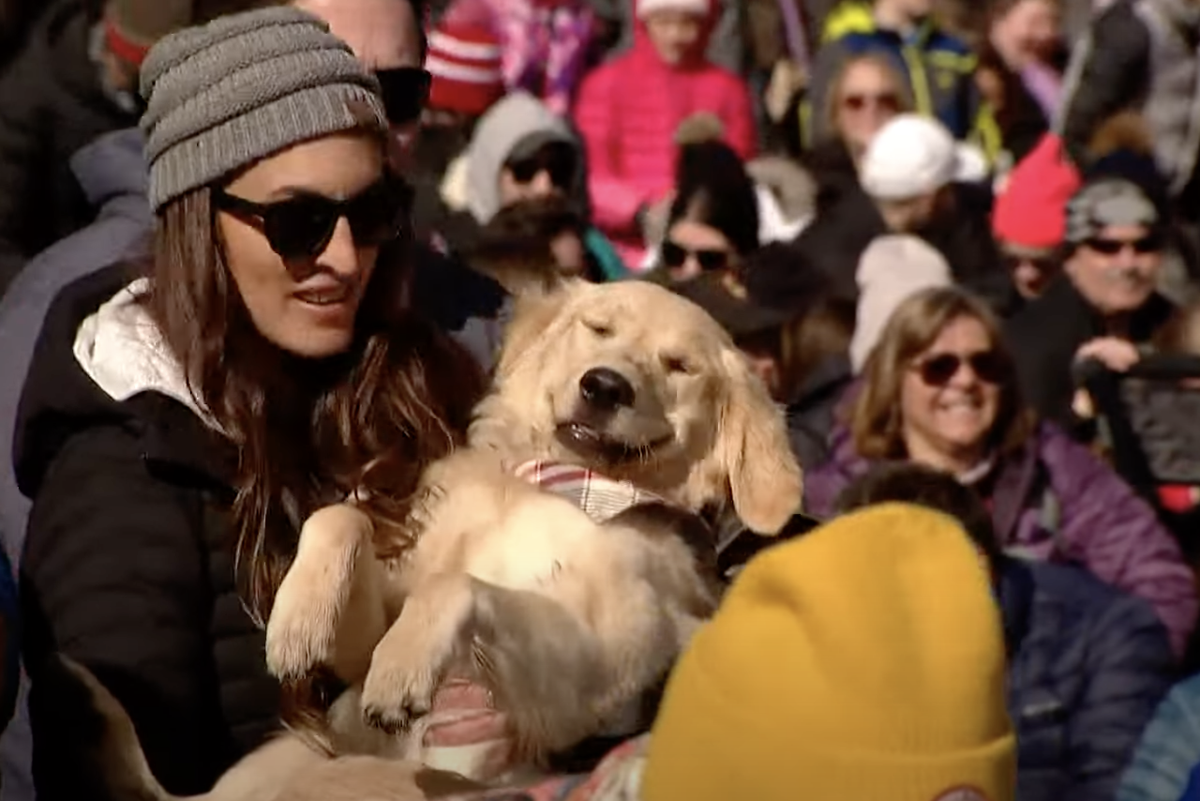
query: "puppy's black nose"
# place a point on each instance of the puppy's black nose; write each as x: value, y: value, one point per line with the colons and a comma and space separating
x: 606, y: 389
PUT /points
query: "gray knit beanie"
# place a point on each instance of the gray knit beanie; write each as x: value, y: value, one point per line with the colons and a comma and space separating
x: 223, y: 95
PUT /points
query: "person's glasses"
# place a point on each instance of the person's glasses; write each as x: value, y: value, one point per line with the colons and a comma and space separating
x: 675, y: 256
x: 884, y: 101
x: 405, y: 91
x: 301, y: 227
x: 1043, y: 264
x: 557, y: 160
x: 1111, y: 247
x: 938, y: 370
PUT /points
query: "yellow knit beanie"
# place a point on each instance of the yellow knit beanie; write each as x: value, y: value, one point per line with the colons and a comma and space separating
x: 864, y: 662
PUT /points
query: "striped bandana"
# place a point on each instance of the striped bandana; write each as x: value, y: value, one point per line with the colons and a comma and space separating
x: 600, y: 497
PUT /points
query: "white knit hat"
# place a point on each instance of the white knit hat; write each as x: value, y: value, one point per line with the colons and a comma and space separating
x: 892, y: 269
x: 701, y: 8
x: 911, y: 156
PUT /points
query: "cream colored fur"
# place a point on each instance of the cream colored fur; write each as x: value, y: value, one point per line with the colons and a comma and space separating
x: 568, y: 621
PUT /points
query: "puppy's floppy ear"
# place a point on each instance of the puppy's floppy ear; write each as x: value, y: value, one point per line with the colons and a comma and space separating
x: 536, y: 308
x: 764, y: 476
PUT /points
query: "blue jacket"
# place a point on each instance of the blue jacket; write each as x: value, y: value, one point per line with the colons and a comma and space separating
x: 939, y: 69
x: 1169, y: 753
x: 1088, y: 667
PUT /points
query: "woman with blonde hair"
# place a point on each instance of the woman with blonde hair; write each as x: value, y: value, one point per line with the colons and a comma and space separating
x: 940, y: 389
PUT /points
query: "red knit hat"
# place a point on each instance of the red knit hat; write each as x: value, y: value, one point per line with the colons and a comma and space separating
x: 464, y: 62
x: 1031, y: 212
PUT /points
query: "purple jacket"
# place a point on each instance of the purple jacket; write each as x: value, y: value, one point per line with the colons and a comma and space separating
x: 1056, y: 501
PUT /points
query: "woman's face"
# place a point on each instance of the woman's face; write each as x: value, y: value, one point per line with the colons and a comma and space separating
x: 1029, y: 32
x: 692, y: 248
x: 304, y: 306
x: 867, y: 98
x: 950, y: 394
x: 674, y: 34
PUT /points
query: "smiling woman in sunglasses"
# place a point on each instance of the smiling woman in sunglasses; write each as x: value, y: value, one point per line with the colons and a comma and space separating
x: 175, y: 431
x: 939, y: 389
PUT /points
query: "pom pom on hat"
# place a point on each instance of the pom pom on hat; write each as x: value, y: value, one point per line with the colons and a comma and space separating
x: 700, y: 8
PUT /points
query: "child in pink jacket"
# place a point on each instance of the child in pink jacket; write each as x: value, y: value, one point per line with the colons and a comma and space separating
x: 629, y: 109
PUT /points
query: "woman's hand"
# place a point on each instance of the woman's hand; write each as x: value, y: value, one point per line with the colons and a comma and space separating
x: 1116, y: 354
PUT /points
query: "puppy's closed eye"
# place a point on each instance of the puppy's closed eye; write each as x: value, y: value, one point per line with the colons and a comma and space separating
x: 599, y: 328
x: 677, y: 364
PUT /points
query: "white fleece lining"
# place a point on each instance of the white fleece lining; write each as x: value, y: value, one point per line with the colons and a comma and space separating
x: 121, y: 350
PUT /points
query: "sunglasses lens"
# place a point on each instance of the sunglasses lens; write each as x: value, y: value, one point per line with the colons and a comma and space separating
x: 673, y: 255
x: 300, y: 228
x: 378, y: 214
x: 889, y: 103
x: 854, y: 102
x: 1148, y: 244
x: 988, y: 367
x: 711, y: 260
x: 525, y: 170
x: 405, y: 91
x: 938, y: 371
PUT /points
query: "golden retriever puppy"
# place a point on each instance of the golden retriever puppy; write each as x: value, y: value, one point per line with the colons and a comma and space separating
x: 555, y: 559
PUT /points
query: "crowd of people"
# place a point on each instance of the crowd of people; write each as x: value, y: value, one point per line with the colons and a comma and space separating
x: 249, y: 247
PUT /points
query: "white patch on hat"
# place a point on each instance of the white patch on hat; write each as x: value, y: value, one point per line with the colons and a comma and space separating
x: 962, y: 794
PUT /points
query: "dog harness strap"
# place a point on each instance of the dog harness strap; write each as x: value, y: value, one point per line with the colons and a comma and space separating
x: 600, y: 497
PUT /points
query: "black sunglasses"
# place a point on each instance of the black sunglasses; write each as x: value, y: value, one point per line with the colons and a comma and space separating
x: 300, y: 227
x: 405, y: 92
x: 1043, y: 264
x: 675, y: 255
x: 1111, y: 247
x: 938, y: 370
x: 556, y: 159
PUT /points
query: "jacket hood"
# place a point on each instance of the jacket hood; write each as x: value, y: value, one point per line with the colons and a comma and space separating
x: 507, y: 124
x: 643, y: 48
x: 98, y: 358
x: 111, y: 166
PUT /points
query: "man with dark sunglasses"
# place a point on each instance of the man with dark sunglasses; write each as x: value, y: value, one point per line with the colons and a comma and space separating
x: 1106, y: 305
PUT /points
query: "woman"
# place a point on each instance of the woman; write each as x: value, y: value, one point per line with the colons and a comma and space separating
x: 175, y: 431
x: 940, y: 389
x: 713, y: 221
x: 865, y: 95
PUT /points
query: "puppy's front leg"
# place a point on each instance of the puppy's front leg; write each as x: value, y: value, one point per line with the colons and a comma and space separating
x: 413, y: 656
x: 335, y: 572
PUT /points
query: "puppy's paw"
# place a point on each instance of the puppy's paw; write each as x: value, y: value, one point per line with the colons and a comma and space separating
x: 303, y: 626
x: 396, y: 694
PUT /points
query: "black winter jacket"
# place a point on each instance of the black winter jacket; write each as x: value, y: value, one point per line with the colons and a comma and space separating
x: 128, y: 569
x: 51, y: 105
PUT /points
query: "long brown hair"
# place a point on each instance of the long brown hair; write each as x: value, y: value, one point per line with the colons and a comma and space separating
x: 875, y: 418
x: 308, y: 432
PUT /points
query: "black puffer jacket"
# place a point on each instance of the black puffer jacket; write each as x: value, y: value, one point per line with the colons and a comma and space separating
x: 51, y: 104
x: 128, y: 567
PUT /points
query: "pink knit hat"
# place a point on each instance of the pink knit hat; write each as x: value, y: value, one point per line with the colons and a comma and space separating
x: 464, y: 64
x: 1031, y: 212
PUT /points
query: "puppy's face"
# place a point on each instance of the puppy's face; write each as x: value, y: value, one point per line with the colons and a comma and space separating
x: 637, y: 383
